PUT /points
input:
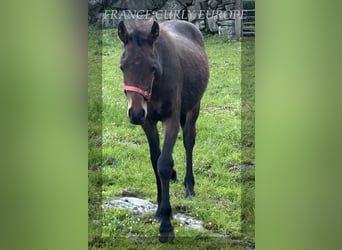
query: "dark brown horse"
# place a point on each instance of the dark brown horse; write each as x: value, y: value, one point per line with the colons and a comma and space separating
x: 165, y: 70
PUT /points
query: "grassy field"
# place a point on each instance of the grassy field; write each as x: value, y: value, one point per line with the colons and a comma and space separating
x: 119, y: 157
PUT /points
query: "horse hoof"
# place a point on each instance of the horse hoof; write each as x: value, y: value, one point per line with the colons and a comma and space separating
x: 189, y: 193
x: 173, y: 176
x: 166, y: 236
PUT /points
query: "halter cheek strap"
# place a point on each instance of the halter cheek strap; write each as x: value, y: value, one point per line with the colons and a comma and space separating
x: 147, y: 95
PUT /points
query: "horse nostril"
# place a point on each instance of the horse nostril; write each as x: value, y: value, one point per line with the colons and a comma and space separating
x: 142, y: 113
x: 130, y: 113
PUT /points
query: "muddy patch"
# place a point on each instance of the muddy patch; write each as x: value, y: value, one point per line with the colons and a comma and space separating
x: 140, y: 206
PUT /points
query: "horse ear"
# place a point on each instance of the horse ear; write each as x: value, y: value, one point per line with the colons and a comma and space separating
x: 154, y: 32
x: 122, y: 32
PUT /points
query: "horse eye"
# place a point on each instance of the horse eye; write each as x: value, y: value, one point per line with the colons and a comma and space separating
x: 121, y: 67
x: 153, y: 69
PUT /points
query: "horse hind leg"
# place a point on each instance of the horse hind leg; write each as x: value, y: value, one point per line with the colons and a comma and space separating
x: 189, y: 135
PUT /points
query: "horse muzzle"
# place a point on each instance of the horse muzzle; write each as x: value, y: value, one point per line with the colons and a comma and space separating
x: 137, y: 108
x: 137, y: 117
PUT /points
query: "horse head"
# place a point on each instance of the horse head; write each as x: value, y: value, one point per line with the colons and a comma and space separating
x: 139, y: 64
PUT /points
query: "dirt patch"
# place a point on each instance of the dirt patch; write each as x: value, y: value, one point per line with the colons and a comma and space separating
x: 219, y: 108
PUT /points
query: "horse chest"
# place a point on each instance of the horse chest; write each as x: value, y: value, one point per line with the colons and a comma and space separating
x: 160, y: 110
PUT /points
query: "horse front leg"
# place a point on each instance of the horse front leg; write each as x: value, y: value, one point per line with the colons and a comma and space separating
x: 165, y: 171
x: 152, y: 135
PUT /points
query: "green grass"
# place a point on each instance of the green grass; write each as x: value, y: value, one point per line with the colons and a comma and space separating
x: 119, y: 157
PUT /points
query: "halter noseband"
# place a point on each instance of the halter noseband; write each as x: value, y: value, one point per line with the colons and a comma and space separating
x: 147, y: 95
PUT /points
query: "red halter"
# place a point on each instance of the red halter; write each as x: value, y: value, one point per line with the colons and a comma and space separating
x: 147, y: 95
